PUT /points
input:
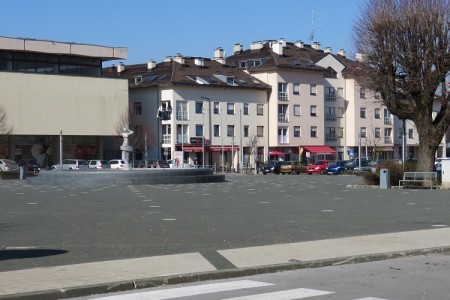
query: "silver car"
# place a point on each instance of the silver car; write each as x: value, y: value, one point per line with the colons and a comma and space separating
x: 98, y: 164
x: 8, y: 165
x: 72, y: 164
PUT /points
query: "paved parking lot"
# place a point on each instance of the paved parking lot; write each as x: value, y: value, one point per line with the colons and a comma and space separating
x: 68, y: 225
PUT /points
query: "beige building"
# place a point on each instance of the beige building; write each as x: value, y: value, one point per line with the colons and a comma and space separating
x: 197, y: 109
x: 51, y: 87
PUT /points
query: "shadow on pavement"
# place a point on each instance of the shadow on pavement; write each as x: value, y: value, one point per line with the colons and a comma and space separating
x: 6, y: 254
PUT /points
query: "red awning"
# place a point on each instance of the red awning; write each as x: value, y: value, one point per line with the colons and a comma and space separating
x: 276, y: 153
x: 193, y: 149
x: 320, y: 149
x: 225, y: 148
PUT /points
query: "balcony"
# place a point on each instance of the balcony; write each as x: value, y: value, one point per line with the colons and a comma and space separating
x: 283, y: 118
x: 166, y: 138
x: 330, y: 117
x: 182, y: 115
x: 330, y: 97
x: 282, y: 96
x: 182, y: 138
x: 283, y: 139
x: 387, y: 121
x: 330, y: 137
x: 387, y: 140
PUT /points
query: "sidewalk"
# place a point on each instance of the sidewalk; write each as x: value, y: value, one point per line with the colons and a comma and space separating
x: 110, y: 276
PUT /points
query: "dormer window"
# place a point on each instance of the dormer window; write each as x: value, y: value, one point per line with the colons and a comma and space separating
x: 330, y: 73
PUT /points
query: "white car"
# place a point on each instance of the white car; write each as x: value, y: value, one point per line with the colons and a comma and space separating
x: 72, y: 164
x: 98, y: 164
x: 117, y: 164
x: 8, y: 165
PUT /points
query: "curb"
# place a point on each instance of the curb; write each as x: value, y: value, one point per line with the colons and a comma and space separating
x: 136, y: 284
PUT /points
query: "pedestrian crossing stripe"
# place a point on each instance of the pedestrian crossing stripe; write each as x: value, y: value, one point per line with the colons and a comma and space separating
x: 284, y: 295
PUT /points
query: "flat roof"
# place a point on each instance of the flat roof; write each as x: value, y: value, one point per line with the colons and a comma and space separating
x: 62, y: 48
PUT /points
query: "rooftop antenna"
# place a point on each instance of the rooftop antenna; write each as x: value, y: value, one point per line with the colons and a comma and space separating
x: 313, y: 27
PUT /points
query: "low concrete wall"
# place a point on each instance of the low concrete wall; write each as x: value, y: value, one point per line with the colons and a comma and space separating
x: 126, y: 177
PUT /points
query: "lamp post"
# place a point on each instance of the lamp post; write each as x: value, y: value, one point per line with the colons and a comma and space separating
x: 203, y: 137
x: 359, y: 152
x: 209, y: 118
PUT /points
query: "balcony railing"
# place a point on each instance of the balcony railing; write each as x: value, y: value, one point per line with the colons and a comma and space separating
x: 166, y: 138
x: 283, y: 139
x: 283, y: 118
x: 182, y: 138
x: 387, y: 121
x: 331, y: 137
x: 330, y: 117
x: 283, y: 96
x: 330, y: 97
x: 387, y: 140
x: 182, y: 115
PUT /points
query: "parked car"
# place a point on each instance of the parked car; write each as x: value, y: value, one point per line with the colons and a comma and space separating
x: 319, y: 167
x: 337, y: 167
x: 290, y: 167
x: 117, y: 164
x: 271, y: 167
x: 71, y: 164
x: 8, y: 165
x: 350, y: 165
x: 98, y: 164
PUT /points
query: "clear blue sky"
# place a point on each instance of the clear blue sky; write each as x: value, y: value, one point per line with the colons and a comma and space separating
x: 155, y: 29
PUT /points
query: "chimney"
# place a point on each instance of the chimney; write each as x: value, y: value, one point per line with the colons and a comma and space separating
x: 256, y: 46
x: 299, y: 44
x: 341, y: 52
x: 359, y: 57
x: 151, y: 64
x: 327, y: 50
x: 120, y: 67
x: 179, y: 59
x: 199, y: 62
x: 316, y: 46
x: 277, y: 47
x: 219, y: 55
x: 237, y: 48
x: 283, y: 42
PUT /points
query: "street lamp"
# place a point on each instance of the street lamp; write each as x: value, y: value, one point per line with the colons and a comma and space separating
x: 210, y: 123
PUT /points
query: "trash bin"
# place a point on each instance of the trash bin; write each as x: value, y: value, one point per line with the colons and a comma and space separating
x: 23, y: 172
x: 385, y: 179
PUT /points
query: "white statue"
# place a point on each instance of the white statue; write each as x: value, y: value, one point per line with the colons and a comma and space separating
x: 126, y: 148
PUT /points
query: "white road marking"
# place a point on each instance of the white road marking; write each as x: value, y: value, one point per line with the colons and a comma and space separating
x: 154, y: 206
x: 169, y: 219
x: 327, y: 210
x: 439, y: 225
x: 371, y: 298
x: 190, y: 291
x: 284, y: 295
x: 31, y: 203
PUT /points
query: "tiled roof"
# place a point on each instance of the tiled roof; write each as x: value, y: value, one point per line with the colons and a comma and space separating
x: 171, y: 72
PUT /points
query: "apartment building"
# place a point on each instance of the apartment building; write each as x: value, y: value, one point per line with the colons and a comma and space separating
x: 198, y: 110
x: 49, y: 87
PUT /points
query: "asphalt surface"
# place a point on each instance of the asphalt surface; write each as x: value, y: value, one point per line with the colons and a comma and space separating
x: 42, y: 226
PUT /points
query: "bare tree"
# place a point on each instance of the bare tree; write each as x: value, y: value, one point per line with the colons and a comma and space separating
x: 406, y: 56
x: 5, y: 129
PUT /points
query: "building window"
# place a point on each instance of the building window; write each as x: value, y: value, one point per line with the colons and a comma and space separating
x: 230, y: 108
x: 216, y: 108
x: 362, y: 112
x: 260, y: 131
x: 377, y: 96
x: 340, y: 112
x: 138, y: 108
x: 246, y: 130
x: 340, y: 92
x: 363, y: 132
x: 411, y: 133
x: 377, y: 132
x: 330, y: 73
x: 198, y: 130
x: 313, y: 89
x: 313, y: 131
x: 282, y: 91
x: 216, y: 130
x: 340, y: 132
x: 362, y: 93
x: 297, y: 110
x: 198, y: 107
x: 260, y: 109
x: 283, y: 136
x: 230, y: 130
x: 245, y: 108
x: 313, y: 111
x: 296, y: 131
x: 377, y: 113
x: 296, y: 89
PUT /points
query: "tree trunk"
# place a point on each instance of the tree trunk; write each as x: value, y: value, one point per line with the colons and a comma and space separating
x: 429, y: 142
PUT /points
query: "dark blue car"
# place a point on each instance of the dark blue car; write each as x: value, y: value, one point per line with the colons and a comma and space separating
x: 337, y: 167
